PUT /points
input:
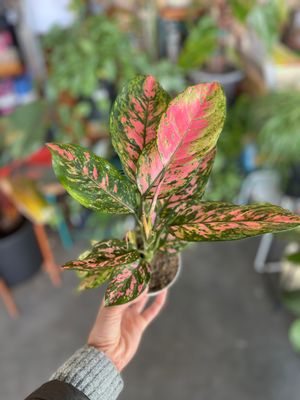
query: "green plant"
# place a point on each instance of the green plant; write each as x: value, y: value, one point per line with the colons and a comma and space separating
x: 73, y: 82
x: 167, y: 148
x: 201, y: 44
x: 290, y: 295
x: 215, y: 41
x: 291, y: 301
x: 273, y: 120
x: 23, y: 131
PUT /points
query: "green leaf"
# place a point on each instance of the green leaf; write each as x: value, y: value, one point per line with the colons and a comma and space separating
x: 222, y: 221
x: 93, y: 280
x: 201, y: 43
x: 127, y: 283
x: 294, y: 258
x: 107, y: 254
x: 241, y: 8
x: 291, y: 301
x: 135, y: 117
x: 294, y: 335
x: 91, y: 180
x: 188, y: 131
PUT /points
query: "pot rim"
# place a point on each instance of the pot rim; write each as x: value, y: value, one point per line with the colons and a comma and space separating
x: 156, y: 292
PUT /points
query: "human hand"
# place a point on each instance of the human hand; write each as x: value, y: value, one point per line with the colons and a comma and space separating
x: 118, y: 329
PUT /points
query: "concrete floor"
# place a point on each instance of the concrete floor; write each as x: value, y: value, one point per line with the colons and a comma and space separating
x: 218, y: 338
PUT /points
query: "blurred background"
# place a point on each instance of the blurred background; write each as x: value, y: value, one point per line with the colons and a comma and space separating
x: 231, y: 328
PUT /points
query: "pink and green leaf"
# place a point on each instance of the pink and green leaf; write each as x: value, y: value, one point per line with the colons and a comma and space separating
x: 172, y: 245
x: 127, y: 283
x: 94, y: 279
x: 91, y: 180
x: 135, y: 117
x: 105, y: 255
x: 188, y: 131
x: 194, y: 190
x: 221, y: 221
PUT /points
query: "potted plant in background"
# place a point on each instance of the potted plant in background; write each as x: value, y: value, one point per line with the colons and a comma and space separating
x: 272, y: 121
x: 209, y: 52
x: 217, y: 46
x: 167, y: 148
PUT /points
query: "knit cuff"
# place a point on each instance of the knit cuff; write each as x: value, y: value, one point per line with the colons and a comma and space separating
x: 91, y: 372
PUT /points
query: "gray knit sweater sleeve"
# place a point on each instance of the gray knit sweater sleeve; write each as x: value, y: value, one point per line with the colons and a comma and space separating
x: 91, y: 372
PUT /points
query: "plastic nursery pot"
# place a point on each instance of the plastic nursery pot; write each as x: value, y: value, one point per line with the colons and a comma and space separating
x: 229, y: 80
x: 20, y: 255
x: 165, y: 271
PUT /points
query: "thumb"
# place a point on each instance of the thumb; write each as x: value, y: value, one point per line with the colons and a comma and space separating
x: 107, y: 325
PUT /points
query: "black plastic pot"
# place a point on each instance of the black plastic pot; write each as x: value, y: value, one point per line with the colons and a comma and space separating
x: 20, y: 256
x: 293, y: 181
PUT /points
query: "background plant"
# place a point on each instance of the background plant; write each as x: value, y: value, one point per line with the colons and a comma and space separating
x: 215, y: 40
x: 167, y: 148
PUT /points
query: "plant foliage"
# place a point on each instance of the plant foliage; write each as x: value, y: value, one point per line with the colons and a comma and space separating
x: 167, y: 149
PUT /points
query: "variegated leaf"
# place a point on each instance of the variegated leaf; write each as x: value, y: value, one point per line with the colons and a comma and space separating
x: 172, y: 245
x: 222, y: 221
x: 135, y: 117
x: 187, y: 131
x: 104, y: 255
x: 179, y: 171
x: 127, y: 283
x: 193, y: 191
x: 94, y: 279
x: 91, y: 180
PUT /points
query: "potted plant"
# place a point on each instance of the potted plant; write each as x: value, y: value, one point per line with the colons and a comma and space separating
x: 219, y: 46
x: 272, y: 122
x: 167, y: 148
x: 210, y: 52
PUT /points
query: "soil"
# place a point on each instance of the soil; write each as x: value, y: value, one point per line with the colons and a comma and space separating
x: 164, y: 269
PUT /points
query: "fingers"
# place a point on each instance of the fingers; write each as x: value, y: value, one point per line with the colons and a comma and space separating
x: 154, y: 309
x: 140, y: 303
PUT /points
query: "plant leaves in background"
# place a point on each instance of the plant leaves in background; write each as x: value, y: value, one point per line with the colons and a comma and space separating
x: 222, y: 221
x: 135, y: 117
x: 200, y: 44
x: 241, y: 8
x: 291, y: 300
x: 294, y: 335
x: 23, y: 131
x: 294, y: 258
x: 187, y: 131
x: 91, y: 180
x: 127, y: 283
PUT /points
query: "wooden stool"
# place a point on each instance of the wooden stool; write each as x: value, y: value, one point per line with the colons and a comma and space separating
x: 8, y: 300
x: 49, y: 263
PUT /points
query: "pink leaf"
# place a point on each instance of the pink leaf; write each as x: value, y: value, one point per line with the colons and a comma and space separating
x: 187, y: 131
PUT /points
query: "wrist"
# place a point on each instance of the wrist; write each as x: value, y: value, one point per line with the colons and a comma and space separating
x: 110, y: 351
x: 91, y: 371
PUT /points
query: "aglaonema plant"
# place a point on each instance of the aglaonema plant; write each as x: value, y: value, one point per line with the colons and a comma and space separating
x: 167, y: 148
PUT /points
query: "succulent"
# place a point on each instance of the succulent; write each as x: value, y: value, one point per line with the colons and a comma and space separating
x: 167, y: 148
